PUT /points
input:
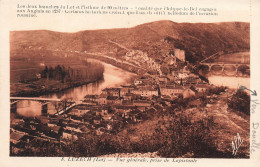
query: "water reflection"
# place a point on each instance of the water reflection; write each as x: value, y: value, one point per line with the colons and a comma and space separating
x: 77, y: 93
x: 240, y: 57
x: 29, y: 108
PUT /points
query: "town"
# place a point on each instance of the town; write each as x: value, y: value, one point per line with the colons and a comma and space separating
x: 116, y: 107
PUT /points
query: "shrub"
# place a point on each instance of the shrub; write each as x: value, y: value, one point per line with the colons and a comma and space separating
x: 240, y: 102
x: 216, y: 90
x: 183, y: 136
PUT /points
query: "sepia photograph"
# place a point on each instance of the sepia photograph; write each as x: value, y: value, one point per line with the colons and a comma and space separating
x: 160, y: 89
x: 129, y: 83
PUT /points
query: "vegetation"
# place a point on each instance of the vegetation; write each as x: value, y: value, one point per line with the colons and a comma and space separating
x: 60, y: 73
x: 183, y: 136
x: 240, y: 103
x: 172, y: 138
x: 216, y: 90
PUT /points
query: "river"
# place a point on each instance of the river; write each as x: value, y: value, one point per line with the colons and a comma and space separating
x: 231, y: 82
x: 113, y: 77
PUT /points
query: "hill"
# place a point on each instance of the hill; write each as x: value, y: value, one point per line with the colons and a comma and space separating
x: 199, y: 40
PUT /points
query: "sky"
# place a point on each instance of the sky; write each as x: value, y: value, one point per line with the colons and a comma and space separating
x: 232, y: 10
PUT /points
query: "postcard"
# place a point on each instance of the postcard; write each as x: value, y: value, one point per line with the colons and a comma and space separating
x: 123, y: 83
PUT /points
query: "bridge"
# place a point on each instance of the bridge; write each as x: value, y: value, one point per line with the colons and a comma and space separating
x: 44, y: 101
x: 223, y: 65
x: 66, y: 109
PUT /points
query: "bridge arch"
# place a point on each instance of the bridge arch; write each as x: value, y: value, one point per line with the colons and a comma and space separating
x: 243, y: 69
x: 217, y: 69
x: 230, y: 70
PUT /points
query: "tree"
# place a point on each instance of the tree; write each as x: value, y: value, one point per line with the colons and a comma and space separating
x: 45, y: 72
x: 50, y: 72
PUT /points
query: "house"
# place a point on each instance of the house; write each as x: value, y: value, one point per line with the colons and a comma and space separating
x: 90, y: 103
x: 91, y: 98
x: 127, y: 103
x: 56, y: 129
x: 201, y: 87
x: 141, y: 103
x: 128, y: 96
x: 135, y: 115
x: 17, y: 142
x: 68, y: 134
x: 138, y: 81
x: 183, y: 75
x: 111, y: 91
x: 112, y: 99
x: 15, y: 122
x: 162, y: 79
x: 145, y: 91
x: 195, y: 103
x: 85, y: 129
x: 191, y: 80
x: 103, y: 111
x: 102, y: 99
x: 16, y: 139
x: 43, y: 119
x: 170, y: 90
x: 125, y: 89
x: 125, y: 113
x: 188, y: 93
x: 141, y: 81
x: 51, y: 125
x: 171, y: 77
x: 180, y: 54
x: 72, y: 127
x: 78, y: 112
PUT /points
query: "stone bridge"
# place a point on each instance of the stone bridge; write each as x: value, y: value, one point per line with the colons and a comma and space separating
x: 223, y: 65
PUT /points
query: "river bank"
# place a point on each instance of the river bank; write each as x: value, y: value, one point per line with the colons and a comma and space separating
x: 44, y: 87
